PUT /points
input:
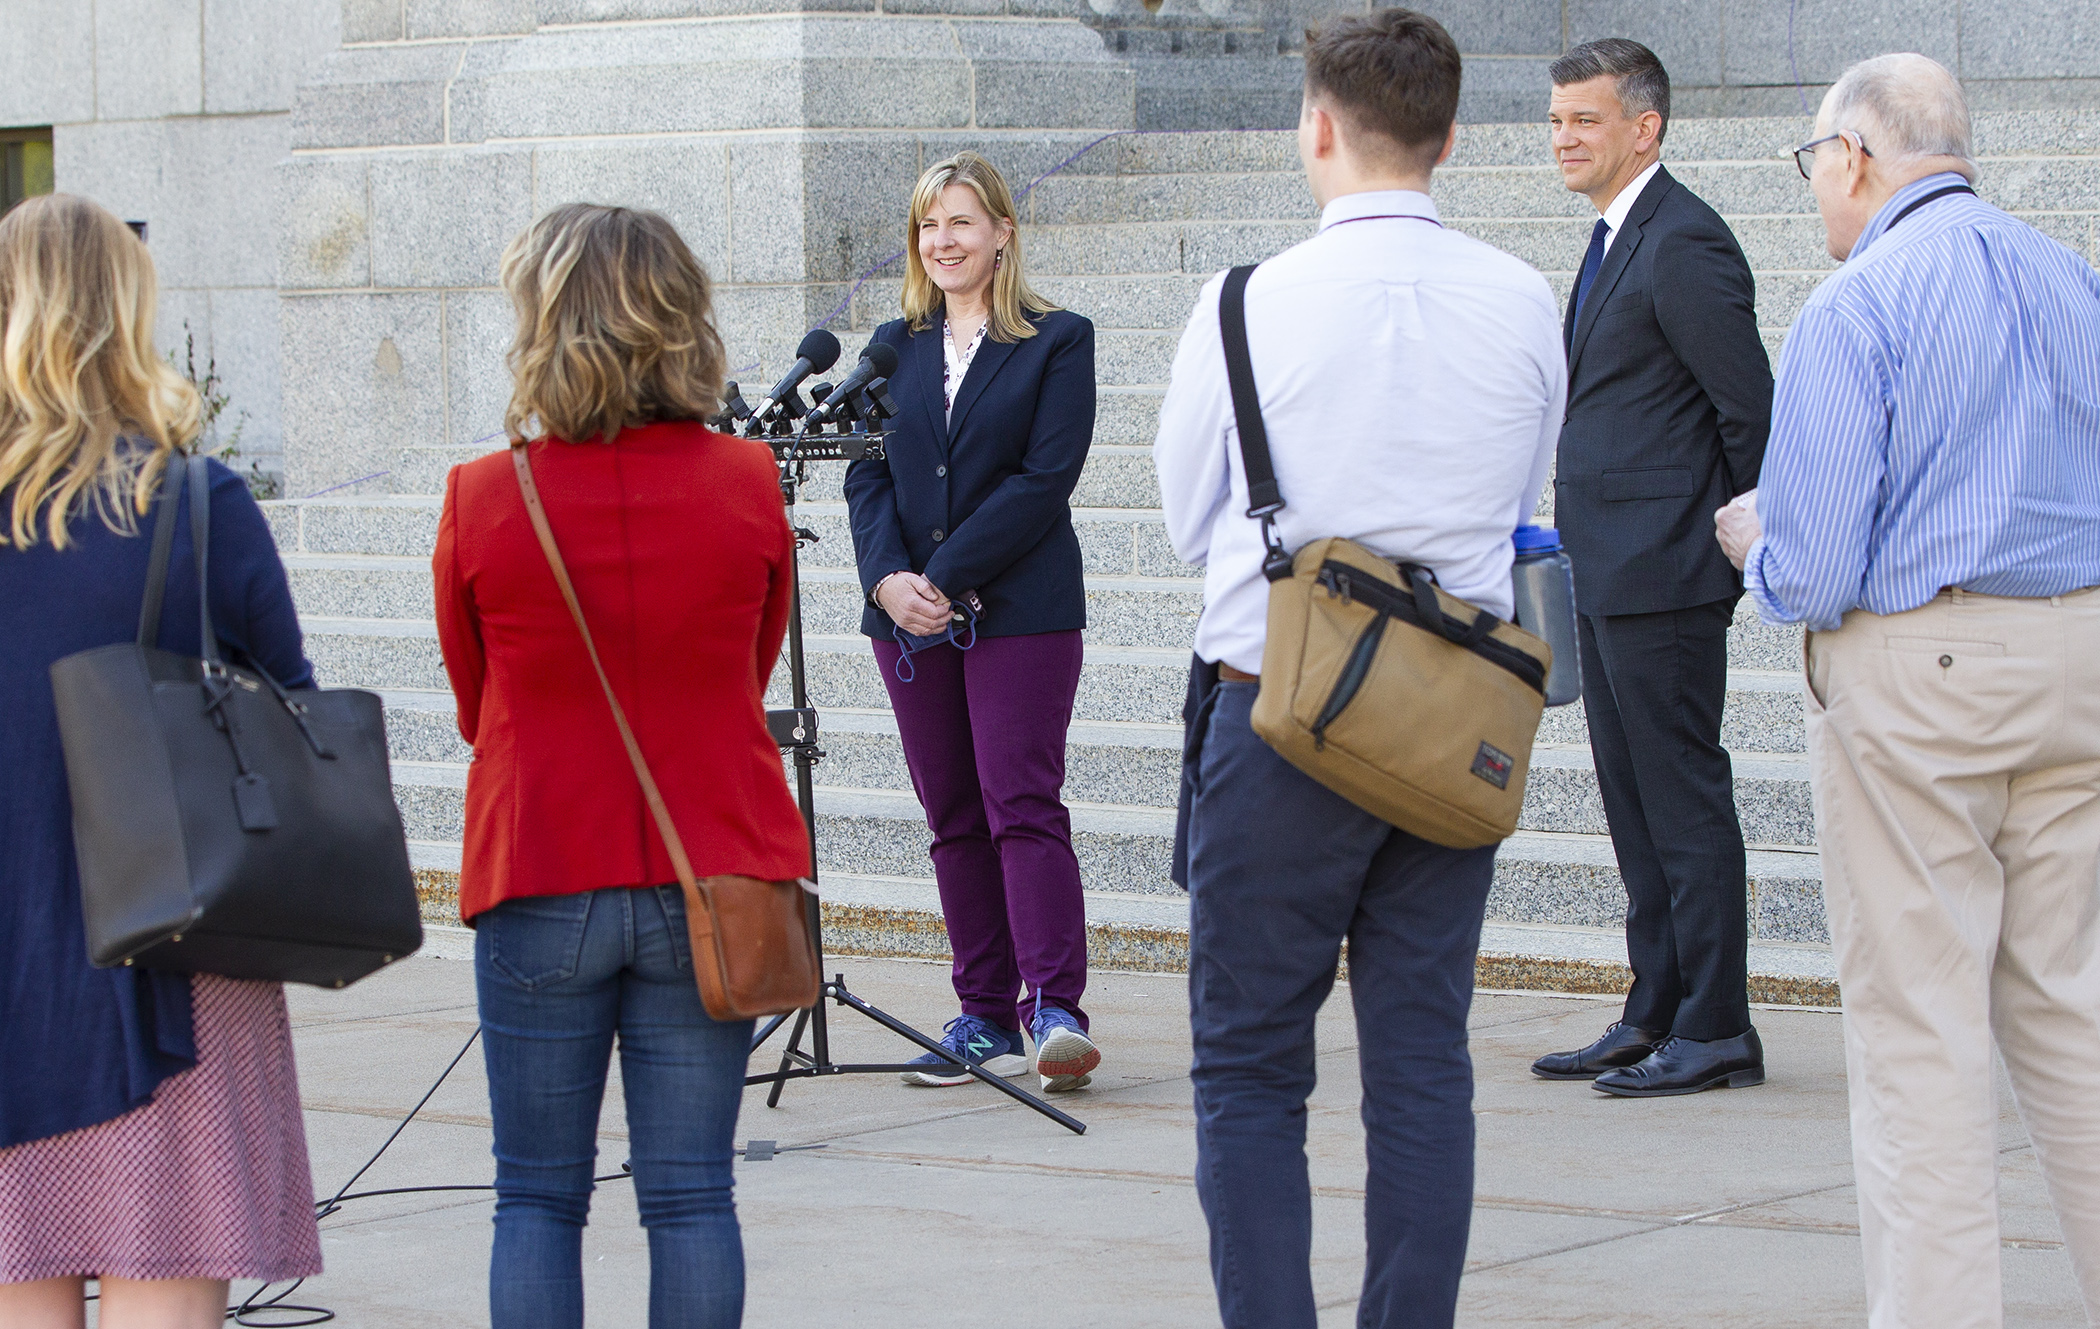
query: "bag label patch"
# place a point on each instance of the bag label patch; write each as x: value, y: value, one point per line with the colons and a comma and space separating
x: 1493, y: 765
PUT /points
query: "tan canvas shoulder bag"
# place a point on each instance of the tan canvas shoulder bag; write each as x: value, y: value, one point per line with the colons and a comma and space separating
x: 752, y: 950
x: 1409, y: 702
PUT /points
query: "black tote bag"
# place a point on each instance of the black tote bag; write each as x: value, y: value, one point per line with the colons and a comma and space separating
x: 223, y: 824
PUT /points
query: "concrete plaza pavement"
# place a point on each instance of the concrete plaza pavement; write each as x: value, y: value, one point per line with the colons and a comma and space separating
x: 1729, y: 1208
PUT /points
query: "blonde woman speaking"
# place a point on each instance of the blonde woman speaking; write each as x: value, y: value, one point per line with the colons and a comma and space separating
x: 966, y: 550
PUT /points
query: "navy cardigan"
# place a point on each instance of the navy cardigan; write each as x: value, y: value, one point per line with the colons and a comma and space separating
x: 81, y: 1045
x: 983, y: 503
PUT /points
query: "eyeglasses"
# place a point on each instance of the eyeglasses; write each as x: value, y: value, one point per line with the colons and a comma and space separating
x: 1805, y: 155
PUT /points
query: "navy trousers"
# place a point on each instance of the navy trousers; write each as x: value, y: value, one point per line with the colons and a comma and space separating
x: 1280, y: 871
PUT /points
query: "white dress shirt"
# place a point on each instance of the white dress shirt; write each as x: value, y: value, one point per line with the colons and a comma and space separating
x: 1412, y: 382
x: 1622, y: 203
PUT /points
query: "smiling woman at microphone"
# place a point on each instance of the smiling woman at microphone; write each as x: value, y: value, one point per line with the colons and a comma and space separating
x: 964, y: 538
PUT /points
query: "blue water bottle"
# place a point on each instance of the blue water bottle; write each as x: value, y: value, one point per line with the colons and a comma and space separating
x: 1544, y: 584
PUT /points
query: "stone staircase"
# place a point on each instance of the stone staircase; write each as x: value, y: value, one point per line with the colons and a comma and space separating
x: 1127, y: 235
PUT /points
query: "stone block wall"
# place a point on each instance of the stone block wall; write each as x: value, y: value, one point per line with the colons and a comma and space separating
x: 313, y: 171
x: 783, y: 147
x: 176, y: 113
x: 1725, y: 57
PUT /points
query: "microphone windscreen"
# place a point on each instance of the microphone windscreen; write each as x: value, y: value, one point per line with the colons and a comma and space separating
x: 820, y: 348
x: 884, y: 357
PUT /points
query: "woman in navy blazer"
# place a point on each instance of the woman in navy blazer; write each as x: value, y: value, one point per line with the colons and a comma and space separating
x: 963, y: 534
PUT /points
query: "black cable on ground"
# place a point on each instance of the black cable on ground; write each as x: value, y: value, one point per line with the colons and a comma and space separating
x: 277, y: 1305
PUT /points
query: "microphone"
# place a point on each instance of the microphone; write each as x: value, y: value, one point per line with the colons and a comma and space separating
x: 733, y: 409
x: 818, y: 352
x: 878, y: 361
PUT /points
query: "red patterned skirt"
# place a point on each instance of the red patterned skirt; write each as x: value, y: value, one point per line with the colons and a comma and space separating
x: 209, y: 1180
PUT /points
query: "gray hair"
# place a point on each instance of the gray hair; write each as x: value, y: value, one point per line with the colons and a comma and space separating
x: 1907, y: 106
x: 1639, y: 78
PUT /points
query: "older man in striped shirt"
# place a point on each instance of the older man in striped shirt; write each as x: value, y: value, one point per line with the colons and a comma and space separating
x: 1931, y: 510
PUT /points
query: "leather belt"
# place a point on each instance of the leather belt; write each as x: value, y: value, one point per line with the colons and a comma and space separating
x: 1231, y: 675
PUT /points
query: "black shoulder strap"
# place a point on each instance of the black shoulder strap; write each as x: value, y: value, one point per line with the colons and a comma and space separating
x: 200, y: 542
x: 163, y: 542
x: 1264, y: 498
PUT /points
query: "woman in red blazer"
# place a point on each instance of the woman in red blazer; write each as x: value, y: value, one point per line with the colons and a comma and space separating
x: 680, y: 551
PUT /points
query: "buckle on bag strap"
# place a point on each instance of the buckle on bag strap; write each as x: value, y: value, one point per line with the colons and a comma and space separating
x: 1276, y: 565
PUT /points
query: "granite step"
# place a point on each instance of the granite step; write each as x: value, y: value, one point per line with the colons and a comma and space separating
x: 1552, y: 243
x: 1139, y: 684
x: 1116, y: 475
x: 1138, y: 764
x: 1500, y: 191
x: 1122, y: 611
x: 1562, y: 878
x: 901, y: 916
x: 1113, y: 541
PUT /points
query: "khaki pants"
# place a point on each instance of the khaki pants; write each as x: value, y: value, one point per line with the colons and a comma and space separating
x: 1956, y: 753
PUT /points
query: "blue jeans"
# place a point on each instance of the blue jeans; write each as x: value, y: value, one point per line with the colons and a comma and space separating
x: 558, y: 977
x: 1281, y: 869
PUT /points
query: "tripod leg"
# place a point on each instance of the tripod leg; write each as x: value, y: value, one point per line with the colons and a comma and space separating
x: 787, y: 1058
x: 898, y: 1027
x: 758, y: 1040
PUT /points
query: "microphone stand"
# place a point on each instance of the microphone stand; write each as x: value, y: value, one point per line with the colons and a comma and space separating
x: 795, y: 730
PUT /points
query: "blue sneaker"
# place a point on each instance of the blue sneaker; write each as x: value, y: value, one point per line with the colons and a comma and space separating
x: 973, y: 1039
x: 1064, y: 1056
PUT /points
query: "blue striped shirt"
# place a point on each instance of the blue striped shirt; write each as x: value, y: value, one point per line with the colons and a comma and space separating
x: 1935, y: 421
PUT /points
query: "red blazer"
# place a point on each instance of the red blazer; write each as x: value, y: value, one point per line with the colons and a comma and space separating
x: 680, y: 551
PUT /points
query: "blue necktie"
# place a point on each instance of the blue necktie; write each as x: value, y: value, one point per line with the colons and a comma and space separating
x: 1591, y: 261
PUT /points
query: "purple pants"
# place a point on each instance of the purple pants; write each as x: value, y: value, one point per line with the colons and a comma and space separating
x: 984, y: 736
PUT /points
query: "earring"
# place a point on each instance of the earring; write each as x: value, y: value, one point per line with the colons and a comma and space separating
x: 998, y: 257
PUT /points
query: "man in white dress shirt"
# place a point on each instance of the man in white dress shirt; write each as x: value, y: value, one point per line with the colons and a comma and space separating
x: 1411, y: 381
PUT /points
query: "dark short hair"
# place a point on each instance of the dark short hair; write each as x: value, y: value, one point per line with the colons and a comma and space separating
x: 1640, y: 79
x: 1393, y: 73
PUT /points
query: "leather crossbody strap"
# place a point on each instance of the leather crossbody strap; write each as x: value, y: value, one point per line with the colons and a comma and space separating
x: 650, y: 793
x: 1264, y: 498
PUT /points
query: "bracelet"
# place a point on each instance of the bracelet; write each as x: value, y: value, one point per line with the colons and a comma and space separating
x: 876, y: 589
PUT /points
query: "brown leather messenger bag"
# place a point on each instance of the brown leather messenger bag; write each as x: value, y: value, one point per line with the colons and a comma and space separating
x: 752, y: 951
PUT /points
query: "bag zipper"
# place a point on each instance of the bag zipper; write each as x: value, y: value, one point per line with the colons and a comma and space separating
x: 1352, y: 679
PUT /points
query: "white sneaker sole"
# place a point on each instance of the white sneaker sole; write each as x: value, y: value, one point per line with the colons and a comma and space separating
x: 1006, y: 1065
x: 1066, y: 1060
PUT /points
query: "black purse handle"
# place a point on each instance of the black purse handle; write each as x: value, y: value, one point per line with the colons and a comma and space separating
x: 1264, y: 497
x: 198, y: 475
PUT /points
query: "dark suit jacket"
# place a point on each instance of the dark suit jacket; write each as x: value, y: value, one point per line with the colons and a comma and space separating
x: 983, y: 503
x: 1669, y: 400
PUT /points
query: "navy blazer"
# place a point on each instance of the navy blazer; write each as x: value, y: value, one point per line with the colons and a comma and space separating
x: 1669, y: 401
x: 983, y: 502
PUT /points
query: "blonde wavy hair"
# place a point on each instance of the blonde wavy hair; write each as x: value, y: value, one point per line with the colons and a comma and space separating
x: 78, y: 371
x: 615, y: 325
x: 1013, y: 299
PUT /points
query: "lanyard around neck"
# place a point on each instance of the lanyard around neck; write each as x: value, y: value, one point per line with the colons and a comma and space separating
x: 1915, y: 204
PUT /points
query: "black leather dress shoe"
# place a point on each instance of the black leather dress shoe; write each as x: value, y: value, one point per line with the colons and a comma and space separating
x: 1683, y: 1066
x: 1622, y: 1045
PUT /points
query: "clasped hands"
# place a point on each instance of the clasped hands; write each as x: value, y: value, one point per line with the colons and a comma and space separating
x: 914, y: 604
x: 1737, y: 528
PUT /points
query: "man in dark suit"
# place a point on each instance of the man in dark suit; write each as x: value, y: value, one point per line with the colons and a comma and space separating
x: 1669, y: 398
